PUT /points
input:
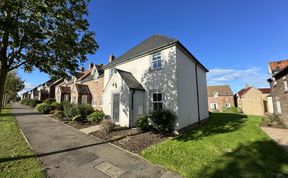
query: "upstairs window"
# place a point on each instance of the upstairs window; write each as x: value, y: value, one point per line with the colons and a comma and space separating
x: 111, y: 72
x: 157, y: 100
x: 156, y: 61
x: 94, y: 101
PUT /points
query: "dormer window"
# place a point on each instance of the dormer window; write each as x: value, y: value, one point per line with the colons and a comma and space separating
x: 156, y: 61
x: 216, y: 94
x: 111, y: 72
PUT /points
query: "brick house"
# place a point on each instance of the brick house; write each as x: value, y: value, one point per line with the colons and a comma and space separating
x: 279, y: 86
x: 86, y: 87
x: 220, y: 96
x: 253, y: 101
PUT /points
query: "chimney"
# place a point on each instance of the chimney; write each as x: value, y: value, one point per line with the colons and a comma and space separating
x: 111, y: 58
x: 91, y: 65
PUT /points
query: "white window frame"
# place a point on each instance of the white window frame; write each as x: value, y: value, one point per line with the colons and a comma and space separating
x: 66, y: 96
x: 228, y: 105
x: 84, y: 98
x: 111, y: 72
x: 94, y: 101
x: 157, y: 102
x: 278, y: 107
x: 212, y: 106
x: 158, y: 60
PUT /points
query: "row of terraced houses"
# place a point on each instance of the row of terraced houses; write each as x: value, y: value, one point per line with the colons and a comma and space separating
x: 153, y: 75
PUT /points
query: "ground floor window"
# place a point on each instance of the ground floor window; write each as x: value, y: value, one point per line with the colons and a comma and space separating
x: 94, y: 101
x: 278, y: 107
x: 66, y: 97
x: 157, y: 100
x: 228, y: 105
x: 84, y: 99
x: 214, y: 106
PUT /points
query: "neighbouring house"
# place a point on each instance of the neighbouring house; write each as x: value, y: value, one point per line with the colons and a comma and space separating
x: 253, y: 101
x: 84, y: 88
x: 47, y: 89
x: 279, y: 86
x: 220, y: 97
x: 158, y: 73
x: 25, y: 95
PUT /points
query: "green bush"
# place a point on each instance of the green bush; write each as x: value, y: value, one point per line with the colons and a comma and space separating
x: 58, y: 114
x: 163, y: 120
x: 143, y: 123
x: 70, y: 109
x: 107, y: 125
x: 44, y: 108
x: 273, y: 121
x: 84, y: 110
x: 49, y: 100
x: 24, y: 101
x: 96, y: 116
x: 77, y: 118
x: 231, y: 109
x: 30, y: 102
x: 57, y: 106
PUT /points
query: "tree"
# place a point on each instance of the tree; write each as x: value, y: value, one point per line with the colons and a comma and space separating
x: 51, y: 35
x: 13, y: 85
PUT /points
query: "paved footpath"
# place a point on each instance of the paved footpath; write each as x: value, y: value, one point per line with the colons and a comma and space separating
x: 278, y: 135
x: 67, y: 152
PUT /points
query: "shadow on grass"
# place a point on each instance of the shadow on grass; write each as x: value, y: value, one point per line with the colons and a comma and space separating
x: 218, y: 123
x: 256, y: 159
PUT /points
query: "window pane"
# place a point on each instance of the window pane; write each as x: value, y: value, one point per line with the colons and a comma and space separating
x: 159, y: 97
x: 154, y: 97
x: 154, y: 65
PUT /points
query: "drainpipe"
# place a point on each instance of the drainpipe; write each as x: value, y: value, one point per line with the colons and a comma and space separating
x: 133, y: 92
x: 132, y: 107
x: 197, y: 90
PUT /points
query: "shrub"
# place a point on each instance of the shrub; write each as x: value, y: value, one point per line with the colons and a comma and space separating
x: 25, y: 101
x: 77, y: 118
x: 107, y: 125
x: 44, y: 108
x: 96, y: 116
x: 231, y: 109
x: 162, y: 120
x: 57, y: 106
x: 49, y: 100
x: 58, y: 114
x: 84, y: 110
x: 33, y: 103
x: 274, y: 121
x: 143, y: 123
x: 70, y: 109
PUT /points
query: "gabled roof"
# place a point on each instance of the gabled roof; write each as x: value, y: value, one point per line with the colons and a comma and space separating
x: 152, y: 43
x: 65, y: 89
x: 222, y: 90
x: 265, y: 90
x: 88, y: 72
x: 130, y: 80
x: 243, y: 91
x: 278, y: 65
x: 82, y: 89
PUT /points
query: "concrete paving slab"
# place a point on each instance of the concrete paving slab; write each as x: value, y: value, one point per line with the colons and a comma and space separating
x: 67, y: 152
x: 110, y: 169
x: 278, y: 135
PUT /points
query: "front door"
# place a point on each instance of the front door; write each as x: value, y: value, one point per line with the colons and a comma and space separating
x: 116, y: 104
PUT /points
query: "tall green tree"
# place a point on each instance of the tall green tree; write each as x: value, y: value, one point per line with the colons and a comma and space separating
x: 51, y: 35
x: 13, y: 85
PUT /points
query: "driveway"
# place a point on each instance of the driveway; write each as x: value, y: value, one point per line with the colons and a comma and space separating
x: 66, y: 152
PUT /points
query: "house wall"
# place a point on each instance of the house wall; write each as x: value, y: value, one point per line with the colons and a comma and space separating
x: 252, y: 102
x: 96, y: 88
x: 221, y: 101
x: 163, y: 80
x: 74, y: 94
x: 187, y: 91
x: 117, y: 85
x: 280, y: 95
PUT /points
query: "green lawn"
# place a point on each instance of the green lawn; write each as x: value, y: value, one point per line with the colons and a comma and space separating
x: 16, y: 157
x: 228, y: 145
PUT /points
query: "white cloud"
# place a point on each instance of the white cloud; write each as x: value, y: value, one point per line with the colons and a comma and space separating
x: 237, y: 78
x: 28, y: 86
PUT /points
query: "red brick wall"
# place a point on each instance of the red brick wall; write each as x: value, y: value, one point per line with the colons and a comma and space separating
x: 221, y: 100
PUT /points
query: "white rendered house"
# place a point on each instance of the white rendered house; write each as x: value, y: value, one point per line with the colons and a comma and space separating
x: 157, y: 73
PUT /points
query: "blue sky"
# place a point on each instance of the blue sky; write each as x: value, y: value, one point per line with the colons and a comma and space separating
x: 234, y: 39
